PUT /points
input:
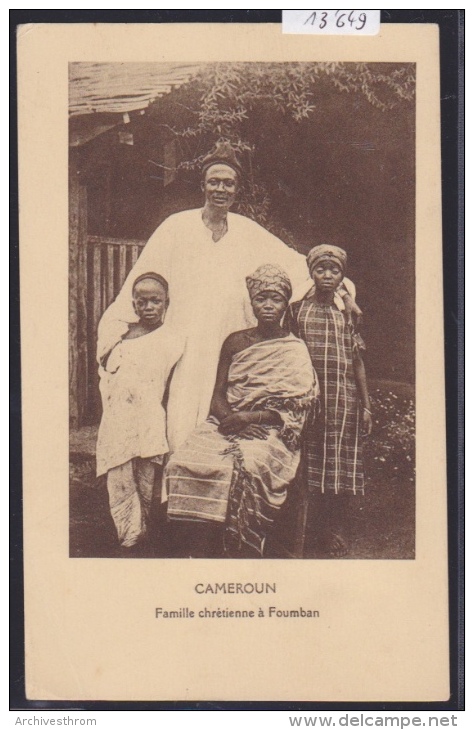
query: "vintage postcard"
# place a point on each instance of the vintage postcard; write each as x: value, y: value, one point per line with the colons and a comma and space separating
x: 232, y: 364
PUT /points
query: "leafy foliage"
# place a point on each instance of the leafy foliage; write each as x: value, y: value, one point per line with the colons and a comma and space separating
x: 231, y: 92
x: 391, y: 448
x: 224, y: 97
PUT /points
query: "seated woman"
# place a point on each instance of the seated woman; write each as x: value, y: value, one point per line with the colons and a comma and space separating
x: 235, y: 468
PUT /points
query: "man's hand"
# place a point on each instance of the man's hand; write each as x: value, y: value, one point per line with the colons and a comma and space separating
x: 354, y: 312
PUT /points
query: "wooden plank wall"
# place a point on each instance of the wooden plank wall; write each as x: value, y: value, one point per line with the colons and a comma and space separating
x: 77, y: 294
x: 98, y: 268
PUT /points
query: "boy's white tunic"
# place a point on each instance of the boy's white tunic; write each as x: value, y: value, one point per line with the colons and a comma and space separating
x: 208, y: 301
x: 132, y: 386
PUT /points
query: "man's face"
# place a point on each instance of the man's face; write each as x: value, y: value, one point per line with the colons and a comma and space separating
x: 327, y: 276
x: 269, y: 306
x: 150, y: 302
x: 220, y: 186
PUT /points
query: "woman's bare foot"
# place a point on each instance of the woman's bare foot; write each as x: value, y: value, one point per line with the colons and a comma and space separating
x: 331, y: 545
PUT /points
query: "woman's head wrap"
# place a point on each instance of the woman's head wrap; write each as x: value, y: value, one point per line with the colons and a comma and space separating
x: 326, y: 252
x: 222, y: 154
x: 269, y: 278
x: 151, y: 275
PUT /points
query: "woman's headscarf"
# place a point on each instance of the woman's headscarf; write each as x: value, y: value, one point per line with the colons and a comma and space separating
x: 269, y: 277
x: 326, y: 252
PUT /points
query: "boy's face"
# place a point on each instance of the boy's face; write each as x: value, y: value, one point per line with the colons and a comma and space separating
x: 150, y: 302
x: 269, y: 306
x: 327, y: 275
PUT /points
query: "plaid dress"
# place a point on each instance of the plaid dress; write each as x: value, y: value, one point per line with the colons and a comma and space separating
x: 333, y: 443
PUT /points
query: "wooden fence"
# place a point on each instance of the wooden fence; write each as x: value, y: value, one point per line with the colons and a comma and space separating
x: 101, y: 268
x: 108, y: 262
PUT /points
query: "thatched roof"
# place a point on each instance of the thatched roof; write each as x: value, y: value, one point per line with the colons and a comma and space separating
x: 121, y: 87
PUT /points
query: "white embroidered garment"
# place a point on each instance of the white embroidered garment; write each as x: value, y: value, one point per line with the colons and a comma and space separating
x: 132, y: 387
x: 208, y: 300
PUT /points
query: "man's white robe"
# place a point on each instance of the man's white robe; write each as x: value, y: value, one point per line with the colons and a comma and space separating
x: 208, y: 300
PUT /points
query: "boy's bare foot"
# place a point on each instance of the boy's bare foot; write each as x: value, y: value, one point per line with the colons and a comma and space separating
x: 141, y: 548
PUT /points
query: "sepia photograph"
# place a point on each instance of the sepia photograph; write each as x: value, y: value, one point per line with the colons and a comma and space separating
x: 234, y: 471
x: 242, y: 310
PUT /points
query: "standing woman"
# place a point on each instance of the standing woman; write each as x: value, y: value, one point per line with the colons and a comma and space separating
x: 334, y: 442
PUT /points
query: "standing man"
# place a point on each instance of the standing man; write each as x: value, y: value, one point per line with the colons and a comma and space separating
x: 205, y: 255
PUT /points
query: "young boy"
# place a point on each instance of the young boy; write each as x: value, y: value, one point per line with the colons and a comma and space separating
x: 333, y: 444
x: 132, y: 433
